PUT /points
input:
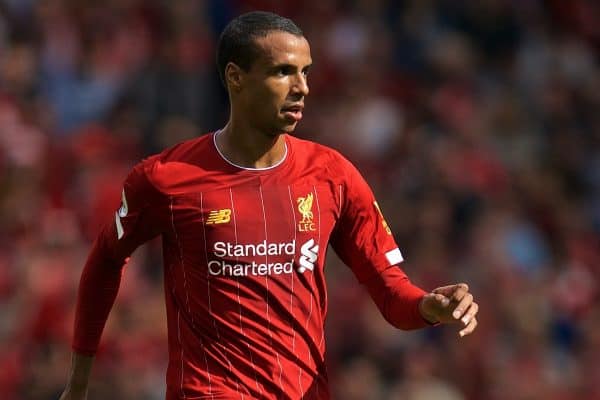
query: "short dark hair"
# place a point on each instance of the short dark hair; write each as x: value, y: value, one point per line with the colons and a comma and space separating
x: 237, y: 41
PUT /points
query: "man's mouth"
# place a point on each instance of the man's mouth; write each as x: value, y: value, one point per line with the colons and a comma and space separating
x: 293, y: 111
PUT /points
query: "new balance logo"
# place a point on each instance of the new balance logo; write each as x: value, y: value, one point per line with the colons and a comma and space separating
x: 219, y: 216
x: 309, y: 252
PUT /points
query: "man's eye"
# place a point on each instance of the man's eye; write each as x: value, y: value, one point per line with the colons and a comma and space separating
x: 283, y: 71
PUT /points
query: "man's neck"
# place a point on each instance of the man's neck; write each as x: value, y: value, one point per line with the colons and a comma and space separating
x: 248, y: 148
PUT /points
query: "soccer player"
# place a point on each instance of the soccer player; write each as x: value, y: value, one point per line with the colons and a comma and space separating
x: 245, y: 215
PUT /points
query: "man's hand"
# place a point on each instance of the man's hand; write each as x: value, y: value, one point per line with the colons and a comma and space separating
x: 449, y: 304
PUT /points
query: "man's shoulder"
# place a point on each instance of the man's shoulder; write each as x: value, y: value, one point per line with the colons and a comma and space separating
x: 320, y: 154
x: 315, y: 151
x: 188, y: 151
x: 178, y: 164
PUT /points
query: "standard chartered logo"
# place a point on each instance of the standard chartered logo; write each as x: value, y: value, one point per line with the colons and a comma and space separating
x: 310, y: 252
x: 225, y: 252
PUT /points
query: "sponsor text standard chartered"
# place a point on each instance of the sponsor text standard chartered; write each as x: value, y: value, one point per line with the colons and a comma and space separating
x: 226, y: 251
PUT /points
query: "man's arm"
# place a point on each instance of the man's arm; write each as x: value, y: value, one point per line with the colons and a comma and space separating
x: 136, y: 222
x: 407, y: 306
x: 77, y: 384
x: 364, y: 241
x: 98, y: 288
x: 397, y: 298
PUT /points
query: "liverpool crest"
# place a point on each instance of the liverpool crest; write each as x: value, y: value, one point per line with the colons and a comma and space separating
x: 305, y: 208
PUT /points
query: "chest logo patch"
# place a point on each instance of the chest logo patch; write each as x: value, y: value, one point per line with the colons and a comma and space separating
x: 310, y: 252
x: 305, y: 208
x: 219, y: 216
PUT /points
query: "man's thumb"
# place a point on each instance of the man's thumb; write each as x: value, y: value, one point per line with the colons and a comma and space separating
x: 440, y: 299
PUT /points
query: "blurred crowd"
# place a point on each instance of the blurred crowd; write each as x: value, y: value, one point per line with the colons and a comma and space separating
x: 477, y: 124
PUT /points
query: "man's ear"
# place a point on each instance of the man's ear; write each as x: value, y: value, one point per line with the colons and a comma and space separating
x: 234, y: 76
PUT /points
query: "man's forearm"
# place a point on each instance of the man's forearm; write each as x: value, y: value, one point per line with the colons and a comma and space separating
x: 397, y: 299
x: 98, y: 289
x: 81, y: 367
x: 77, y: 384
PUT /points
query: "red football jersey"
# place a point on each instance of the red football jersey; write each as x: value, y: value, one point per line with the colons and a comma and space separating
x: 244, y: 253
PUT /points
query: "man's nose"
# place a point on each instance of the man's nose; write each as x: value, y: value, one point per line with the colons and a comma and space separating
x: 300, y: 85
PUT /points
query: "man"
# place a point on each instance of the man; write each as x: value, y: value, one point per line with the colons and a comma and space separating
x: 245, y: 215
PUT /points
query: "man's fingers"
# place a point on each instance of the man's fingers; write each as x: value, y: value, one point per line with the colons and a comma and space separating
x: 470, y: 314
x: 469, y: 328
x: 451, y: 290
x: 465, y: 301
x: 459, y: 293
x: 437, y: 300
x: 445, y: 290
x: 463, y: 309
x: 463, y: 286
x: 442, y: 300
x: 433, y: 303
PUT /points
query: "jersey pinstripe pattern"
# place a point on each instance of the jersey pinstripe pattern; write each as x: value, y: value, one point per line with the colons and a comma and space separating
x: 245, y: 318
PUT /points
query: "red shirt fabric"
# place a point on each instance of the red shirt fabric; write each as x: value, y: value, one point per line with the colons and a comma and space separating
x: 244, y: 253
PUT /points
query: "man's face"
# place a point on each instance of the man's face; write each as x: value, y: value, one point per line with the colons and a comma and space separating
x: 272, y: 92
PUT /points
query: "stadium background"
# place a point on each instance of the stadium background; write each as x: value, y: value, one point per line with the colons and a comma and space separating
x: 476, y: 122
